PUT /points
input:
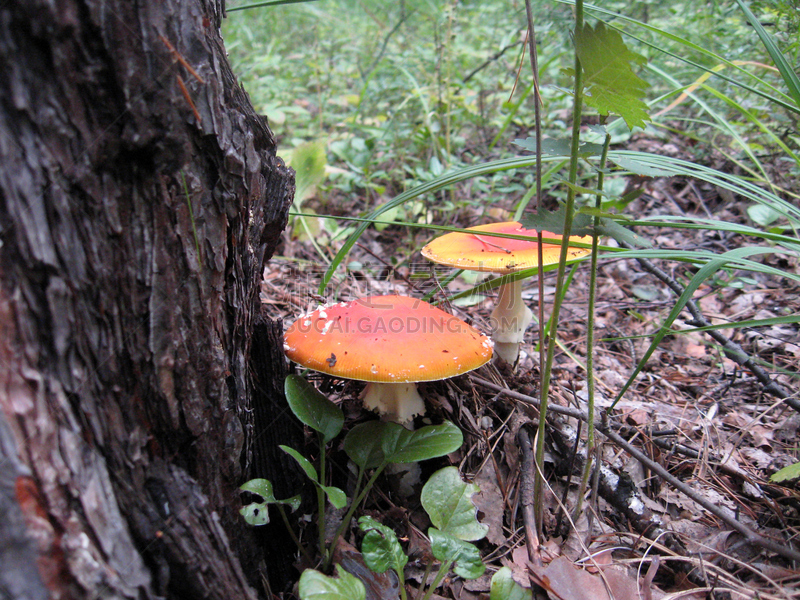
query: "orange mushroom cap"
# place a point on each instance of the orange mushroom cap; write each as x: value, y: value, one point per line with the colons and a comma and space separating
x: 474, y: 252
x: 394, y: 339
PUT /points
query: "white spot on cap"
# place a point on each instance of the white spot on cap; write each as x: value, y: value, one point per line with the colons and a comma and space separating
x: 374, y: 369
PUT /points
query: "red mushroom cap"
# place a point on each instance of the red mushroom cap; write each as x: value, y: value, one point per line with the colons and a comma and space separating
x: 474, y: 252
x: 386, y: 339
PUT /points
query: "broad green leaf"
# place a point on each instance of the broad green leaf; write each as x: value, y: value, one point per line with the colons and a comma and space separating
x: 336, y: 496
x: 380, y: 547
x: 312, y: 408
x: 263, y: 488
x: 763, y: 215
x: 363, y: 444
x: 257, y: 513
x: 465, y: 556
x: 786, y: 473
x: 316, y: 586
x: 308, y: 161
x: 505, y: 588
x: 304, y: 463
x: 400, y: 445
x: 446, y: 499
x: 610, y: 83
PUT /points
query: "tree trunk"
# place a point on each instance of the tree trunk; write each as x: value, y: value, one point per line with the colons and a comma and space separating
x: 140, y: 196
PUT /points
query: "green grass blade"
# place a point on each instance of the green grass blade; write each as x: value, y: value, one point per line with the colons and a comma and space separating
x: 443, y: 181
x: 666, y: 327
x: 787, y: 72
x: 267, y: 3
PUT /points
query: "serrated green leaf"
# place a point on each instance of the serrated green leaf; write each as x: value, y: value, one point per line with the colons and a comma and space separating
x: 312, y: 408
x: 609, y: 80
x: 401, y: 445
x: 553, y: 221
x: 363, y: 444
x: 786, y: 473
x: 380, y: 548
x: 465, y: 556
x: 317, y: 586
x: 505, y: 588
x: 446, y: 499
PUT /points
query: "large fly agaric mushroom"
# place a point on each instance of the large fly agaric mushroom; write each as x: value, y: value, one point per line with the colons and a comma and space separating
x: 391, y: 342
x: 476, y: 252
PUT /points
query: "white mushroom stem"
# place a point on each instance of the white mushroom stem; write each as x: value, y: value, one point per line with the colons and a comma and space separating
x: 398, y: 402
x: 510, y: 318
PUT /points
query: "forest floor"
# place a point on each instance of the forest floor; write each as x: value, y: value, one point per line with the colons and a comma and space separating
x: 691, y: 410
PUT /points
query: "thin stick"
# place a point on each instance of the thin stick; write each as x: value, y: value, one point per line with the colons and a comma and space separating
x: 780, y: 548
x: 731, y: 349
x: 526, y: 474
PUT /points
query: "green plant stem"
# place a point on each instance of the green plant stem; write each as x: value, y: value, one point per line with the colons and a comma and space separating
x: 326, y: 553
x: 444, y: 569
x: 590, y: 388
x: 351, y: 511
x: 570, y: 205
x: 293, y: 535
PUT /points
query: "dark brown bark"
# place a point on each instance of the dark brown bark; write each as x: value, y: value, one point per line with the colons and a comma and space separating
x: 127, y: 299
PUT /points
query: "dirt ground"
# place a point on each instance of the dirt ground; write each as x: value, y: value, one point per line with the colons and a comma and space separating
x: 692, y: 411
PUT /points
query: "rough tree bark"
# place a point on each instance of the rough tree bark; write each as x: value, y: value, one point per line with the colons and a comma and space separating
x: 140, y: 196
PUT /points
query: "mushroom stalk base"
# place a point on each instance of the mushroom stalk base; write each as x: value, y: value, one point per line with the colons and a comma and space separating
x: 509, y: 318
x: 398, y: 402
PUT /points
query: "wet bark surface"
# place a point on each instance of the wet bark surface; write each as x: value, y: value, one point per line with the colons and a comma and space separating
x: 140, y: 196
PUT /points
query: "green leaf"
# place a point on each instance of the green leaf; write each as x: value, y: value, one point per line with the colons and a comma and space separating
x: 630, y: 163
x: 505, y: 588
x: 786, y: 473
x: 312, y: 408
x: 609, y: 80
x: 560, y: 147
x: 446, y: 499
x: 380, y: 547
x: 257, y: 513
x: 308, y: 161
x: 336, y: 496
x: 316, y: 586
x: 612, y: 229
x: 553, y: 221
x: 304, y: 463
x: 448, y: 548
x: 790, y: 78
x: 363, y: 444
x: 763, y: 215
x: 400, y: 445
